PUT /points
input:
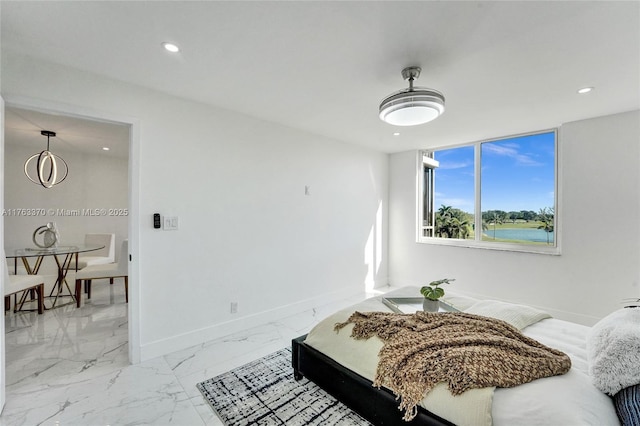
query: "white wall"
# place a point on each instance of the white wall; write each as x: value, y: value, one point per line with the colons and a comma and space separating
x: 248, y: 233
x: 2, y: 356
x: 2, y: 264
x: 599, y: 209
x: 94, y: 182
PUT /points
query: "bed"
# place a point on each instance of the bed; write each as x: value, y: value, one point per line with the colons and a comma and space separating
x: 346, y: 367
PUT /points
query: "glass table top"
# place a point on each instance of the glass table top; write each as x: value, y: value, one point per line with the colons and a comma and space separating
x: 60, y: 250
x: 411, y: 305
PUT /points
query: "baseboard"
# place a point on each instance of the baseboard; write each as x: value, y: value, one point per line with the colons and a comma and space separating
x: 216, y: 331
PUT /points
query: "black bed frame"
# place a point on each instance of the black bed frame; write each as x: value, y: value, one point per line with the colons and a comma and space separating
x: 379, y: 406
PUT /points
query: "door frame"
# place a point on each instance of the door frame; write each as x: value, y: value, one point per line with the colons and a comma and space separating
x: 50, y: 107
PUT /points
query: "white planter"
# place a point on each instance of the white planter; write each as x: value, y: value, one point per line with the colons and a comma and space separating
x: 429, y: 305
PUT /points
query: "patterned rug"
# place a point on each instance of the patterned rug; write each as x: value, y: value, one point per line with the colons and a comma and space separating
x: 264, y: 392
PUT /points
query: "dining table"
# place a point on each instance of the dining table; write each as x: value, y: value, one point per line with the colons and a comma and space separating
x: 63, y: 255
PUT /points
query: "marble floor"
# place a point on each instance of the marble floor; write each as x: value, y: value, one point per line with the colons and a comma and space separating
x: 70, y: 366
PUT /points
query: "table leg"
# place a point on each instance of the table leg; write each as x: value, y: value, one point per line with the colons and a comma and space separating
x: 27, y: 265
x: 62, y: 278
x: 18, y: 305
x: 23, y: 298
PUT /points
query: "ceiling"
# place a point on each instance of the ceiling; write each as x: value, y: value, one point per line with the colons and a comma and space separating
x: 323, y: 67
x: 22, y: 127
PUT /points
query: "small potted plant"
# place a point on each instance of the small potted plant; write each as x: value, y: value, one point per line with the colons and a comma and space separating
x: 432, y: 293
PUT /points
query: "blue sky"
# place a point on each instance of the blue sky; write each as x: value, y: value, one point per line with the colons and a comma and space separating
x: 517, y: 174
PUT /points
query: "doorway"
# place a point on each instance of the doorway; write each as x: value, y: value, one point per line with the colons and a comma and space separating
x: 122, y: 155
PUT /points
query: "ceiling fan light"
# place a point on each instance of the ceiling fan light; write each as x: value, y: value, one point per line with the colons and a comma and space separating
x: 412, y: 106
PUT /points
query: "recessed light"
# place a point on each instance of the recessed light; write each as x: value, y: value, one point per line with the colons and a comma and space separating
x: 171, y: 47
x: 585, y: 90
x: 105, y: 148
x: 396, y: 134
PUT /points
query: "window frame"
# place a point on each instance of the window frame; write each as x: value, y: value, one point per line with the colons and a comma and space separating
x: 554, y: 249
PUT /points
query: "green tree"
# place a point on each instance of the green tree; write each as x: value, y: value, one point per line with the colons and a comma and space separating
x: 546, y: 219
x: 452, y: 223
x: 495, y: 217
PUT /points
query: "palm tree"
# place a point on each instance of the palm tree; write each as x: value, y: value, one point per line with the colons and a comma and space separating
x: 496, y: 218
x: 452, y: 223
x: 445, y: 211
x: 462, y: 228
x: 546, y: 218
x: 443, y: 222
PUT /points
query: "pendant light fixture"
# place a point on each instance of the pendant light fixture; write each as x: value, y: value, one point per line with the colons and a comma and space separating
x: 412, y: 106
x: 51, y: 169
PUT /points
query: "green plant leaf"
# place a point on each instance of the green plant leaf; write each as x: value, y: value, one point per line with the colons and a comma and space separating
x: 433, y: 291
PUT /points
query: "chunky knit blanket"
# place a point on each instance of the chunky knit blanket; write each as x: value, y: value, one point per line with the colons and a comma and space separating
x: 464, y: 350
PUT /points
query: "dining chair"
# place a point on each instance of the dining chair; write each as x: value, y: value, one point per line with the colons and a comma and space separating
x: 14, y: 284
x: 16, y: 267
x: 97, y: 257
x: 111, y: 270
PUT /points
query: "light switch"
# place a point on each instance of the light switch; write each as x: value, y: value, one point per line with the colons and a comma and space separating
x: 170, y: 223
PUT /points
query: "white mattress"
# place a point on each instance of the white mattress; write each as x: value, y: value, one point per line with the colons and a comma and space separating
x: 564, y: 400
x: 570, y: 399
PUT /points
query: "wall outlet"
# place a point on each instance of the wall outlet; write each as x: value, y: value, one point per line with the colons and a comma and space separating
x: 170, y: 223
x: 234, y: 307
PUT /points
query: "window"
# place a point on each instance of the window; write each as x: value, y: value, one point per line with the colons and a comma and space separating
x: 497, y: 194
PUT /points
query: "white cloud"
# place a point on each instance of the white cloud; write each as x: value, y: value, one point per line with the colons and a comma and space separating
x: 453, y: 166
x: 511, y: 151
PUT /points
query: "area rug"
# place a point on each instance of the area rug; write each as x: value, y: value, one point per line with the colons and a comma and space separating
x: 264, y: 392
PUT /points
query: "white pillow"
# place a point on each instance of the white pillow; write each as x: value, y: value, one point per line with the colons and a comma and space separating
x: 519, y: 316
x: 458, y: 301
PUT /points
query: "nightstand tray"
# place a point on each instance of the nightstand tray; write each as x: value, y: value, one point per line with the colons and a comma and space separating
x: 411, y: 305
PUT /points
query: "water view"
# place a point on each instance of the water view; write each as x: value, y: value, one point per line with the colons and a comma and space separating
x: 516, y: 199
x: 522, y: 234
